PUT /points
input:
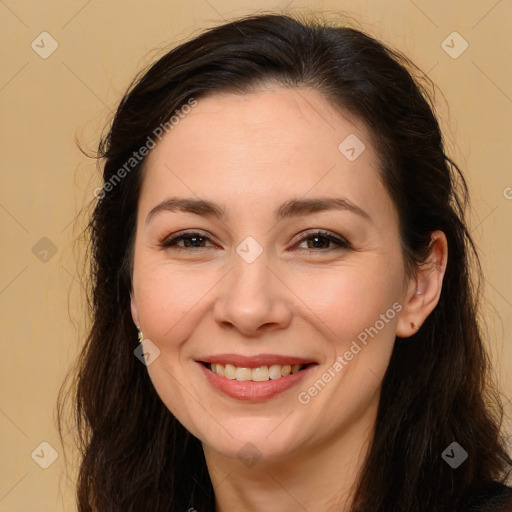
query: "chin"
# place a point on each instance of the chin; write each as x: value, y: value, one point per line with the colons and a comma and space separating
x: 255, y: 439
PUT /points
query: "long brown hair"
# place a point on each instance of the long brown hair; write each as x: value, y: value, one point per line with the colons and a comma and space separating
x: 136, y: 455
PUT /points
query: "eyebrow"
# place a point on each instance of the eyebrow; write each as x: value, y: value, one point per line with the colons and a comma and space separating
x: 292, y: 208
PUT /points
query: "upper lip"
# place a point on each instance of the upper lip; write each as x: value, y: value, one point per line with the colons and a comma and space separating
x: 254, y: 361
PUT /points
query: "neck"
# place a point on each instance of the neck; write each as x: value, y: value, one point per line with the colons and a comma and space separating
x: 322, y: 478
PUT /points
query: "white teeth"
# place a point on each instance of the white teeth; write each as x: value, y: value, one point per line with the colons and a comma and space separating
x: 243, y: 374
x: 260, y: 374
x: 275, y: 371
x: 229, y: 371
x: 296, y: 368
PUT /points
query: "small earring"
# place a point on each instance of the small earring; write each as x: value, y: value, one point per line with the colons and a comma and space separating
x: 414, y: 326
x: 140, y: 335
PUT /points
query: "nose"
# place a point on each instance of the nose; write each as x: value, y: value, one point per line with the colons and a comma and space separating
x: 253, y: 299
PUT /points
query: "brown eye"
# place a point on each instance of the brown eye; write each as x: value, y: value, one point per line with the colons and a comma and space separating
x: 322, y: 239
x: 192, y: 239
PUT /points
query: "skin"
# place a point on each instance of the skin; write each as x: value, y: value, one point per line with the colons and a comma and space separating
x: 263, y: 149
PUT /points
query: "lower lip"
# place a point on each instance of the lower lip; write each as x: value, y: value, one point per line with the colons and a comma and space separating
x: 251, y: 390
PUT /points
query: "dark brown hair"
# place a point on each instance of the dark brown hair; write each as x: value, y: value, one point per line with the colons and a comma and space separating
x: 136, y: 455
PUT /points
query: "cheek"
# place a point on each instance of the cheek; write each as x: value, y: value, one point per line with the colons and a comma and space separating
x: 356, y: 310
x: 169, y: 298
x: 344, y: 301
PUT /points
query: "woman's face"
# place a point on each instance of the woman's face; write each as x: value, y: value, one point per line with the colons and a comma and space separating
x: 253, y: 287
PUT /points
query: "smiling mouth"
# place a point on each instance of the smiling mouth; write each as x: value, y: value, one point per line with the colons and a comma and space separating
x: 259, y: 374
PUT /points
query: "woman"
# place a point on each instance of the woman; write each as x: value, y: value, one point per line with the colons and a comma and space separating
x: 280, y: 228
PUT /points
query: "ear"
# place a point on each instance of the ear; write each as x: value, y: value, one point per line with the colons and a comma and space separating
x: 424, y: 289
x: 134, y: 309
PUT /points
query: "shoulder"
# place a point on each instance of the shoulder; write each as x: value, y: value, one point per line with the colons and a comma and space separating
x: 488, y: 497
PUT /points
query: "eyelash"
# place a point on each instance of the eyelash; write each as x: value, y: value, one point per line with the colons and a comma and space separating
x: 339, y: 241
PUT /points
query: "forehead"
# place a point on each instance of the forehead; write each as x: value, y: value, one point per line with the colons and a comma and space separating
x: 282, y: 118
x: 263, y: 145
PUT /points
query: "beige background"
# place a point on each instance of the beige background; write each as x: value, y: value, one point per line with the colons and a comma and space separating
x: 45, y: 179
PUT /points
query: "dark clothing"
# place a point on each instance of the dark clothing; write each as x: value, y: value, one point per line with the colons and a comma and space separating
x: 490, y: 497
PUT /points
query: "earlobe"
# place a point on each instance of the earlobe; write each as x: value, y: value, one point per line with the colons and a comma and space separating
x: 134, y: 310
x: 425, y: 288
